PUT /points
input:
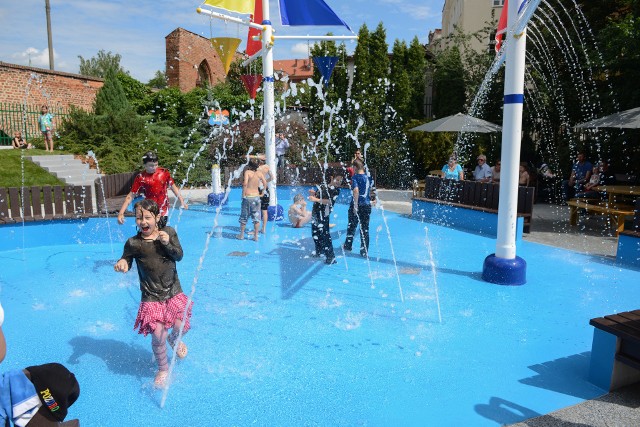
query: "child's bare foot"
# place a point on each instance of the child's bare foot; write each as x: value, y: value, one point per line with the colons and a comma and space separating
x: 255, y: 238
x: 161, y: 379
x: 240, y: 237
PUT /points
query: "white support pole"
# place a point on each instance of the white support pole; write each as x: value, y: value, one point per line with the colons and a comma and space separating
x: 268, y: 111
x: 504, y: 267
x: 252, y: 58
x: 229, y: 18
x: 308, y: 37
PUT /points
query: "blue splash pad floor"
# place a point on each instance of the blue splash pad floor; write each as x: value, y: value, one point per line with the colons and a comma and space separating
x: 281, y: 339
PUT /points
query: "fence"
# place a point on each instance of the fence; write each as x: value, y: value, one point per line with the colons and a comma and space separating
x: 46, y: 202
x: 112, y: 190
x: 482, y: 195
x: 18, y: 117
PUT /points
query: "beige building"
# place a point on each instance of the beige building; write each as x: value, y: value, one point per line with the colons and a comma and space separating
x: 471, y: 16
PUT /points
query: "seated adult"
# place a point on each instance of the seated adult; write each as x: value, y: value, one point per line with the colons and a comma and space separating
x: 580, y: 175
x: 523, y: 176
x: 482, y: 171
x: 495, y: 172
x: 452, y: 170
x: 19, y: 142
x: 298, y: 213
x: 596, y: 179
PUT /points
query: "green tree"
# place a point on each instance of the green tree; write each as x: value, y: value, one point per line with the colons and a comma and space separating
x: 135, y: 91
x: 111, y: 97
x: 416, y: 66
x: 399, y: 95
x: 98, y: 65
x: 449, y: 83
x: 159, y: 80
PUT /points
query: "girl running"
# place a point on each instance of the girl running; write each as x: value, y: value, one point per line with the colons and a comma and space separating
x: 163, y: 302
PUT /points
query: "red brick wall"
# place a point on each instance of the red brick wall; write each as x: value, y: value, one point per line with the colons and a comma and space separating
x: 186, y: 52
x: 55, y: 88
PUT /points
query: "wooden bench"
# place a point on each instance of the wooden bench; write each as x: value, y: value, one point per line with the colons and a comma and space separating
x: 616, y: 212
x: 615, y: 352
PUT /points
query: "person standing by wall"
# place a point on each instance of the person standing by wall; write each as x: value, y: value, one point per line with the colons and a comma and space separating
x: 45, y: 122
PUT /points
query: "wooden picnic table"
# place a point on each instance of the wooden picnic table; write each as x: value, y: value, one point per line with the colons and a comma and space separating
x: 618, y: 190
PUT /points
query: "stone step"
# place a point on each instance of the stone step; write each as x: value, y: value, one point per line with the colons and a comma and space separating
x: 72, y: 167
x: 75, y: 176
x: 52, y: 158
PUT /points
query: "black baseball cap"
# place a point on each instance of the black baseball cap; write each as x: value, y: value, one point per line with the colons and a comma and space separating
x: 57, y: 389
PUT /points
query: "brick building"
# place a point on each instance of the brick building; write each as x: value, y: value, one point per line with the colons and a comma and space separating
x: 191, y: 60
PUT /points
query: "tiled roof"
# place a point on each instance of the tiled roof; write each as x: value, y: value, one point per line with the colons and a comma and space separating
x: 296, y: 69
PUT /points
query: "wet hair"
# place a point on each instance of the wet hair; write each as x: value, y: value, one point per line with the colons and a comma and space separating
x: 298, y: 198
x: 149, y: 156
x: 148, y: 205
x: 358, y: 164
x: 252, y: 165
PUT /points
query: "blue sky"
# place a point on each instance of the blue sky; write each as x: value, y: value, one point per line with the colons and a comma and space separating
x: 136, y: 29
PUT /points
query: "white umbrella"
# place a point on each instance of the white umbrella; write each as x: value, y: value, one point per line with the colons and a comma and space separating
x: 459, y: 123
x: 629, y: 119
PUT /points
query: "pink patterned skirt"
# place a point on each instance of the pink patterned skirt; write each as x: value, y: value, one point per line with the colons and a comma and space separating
x: 150, y: 314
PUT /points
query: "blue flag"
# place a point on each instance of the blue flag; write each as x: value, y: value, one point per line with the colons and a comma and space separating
x: 325, y: 65
x: 308, y: 12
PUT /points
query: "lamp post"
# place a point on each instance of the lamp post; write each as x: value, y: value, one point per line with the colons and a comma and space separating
x: 47, y: 8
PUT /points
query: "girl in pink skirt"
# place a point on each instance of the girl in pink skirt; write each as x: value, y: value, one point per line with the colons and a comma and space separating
x: 163, y: 302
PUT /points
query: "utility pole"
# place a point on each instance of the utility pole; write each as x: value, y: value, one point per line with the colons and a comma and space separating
x: 47, y: 8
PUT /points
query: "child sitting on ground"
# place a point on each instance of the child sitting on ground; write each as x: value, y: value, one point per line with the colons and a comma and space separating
x: 298, y: 213
x: 156, y: 252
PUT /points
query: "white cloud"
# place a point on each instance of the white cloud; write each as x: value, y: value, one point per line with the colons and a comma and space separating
x: 34, y: 57
x: 301, y: 49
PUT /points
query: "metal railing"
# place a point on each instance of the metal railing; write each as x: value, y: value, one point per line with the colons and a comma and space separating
x: 18, y: 117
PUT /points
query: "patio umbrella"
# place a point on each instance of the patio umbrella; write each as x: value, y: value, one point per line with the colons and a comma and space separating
x: 624, y: 119
x: 459, y: 123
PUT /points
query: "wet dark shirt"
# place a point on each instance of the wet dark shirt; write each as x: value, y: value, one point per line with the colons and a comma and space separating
x: 319, y: 210
x: 156, y: 265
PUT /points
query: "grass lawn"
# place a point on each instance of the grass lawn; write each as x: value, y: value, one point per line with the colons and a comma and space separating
x: 11, y: 169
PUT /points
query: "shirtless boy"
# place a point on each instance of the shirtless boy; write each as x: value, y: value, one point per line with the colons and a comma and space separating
x: 253, y: 180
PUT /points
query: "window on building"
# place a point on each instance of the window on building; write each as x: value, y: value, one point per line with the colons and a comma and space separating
x: 497, y: 3
x: 492, y: 42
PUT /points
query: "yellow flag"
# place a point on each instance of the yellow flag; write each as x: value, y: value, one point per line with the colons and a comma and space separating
x: 239, y: 6
x: 226, y: 48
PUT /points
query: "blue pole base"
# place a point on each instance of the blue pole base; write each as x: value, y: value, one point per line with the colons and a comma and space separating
x: 275, y: 213
x: 214, y: 199
x: 503, y: 271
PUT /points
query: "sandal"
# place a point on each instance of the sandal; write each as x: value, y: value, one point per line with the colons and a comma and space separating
x: 161, y: 379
